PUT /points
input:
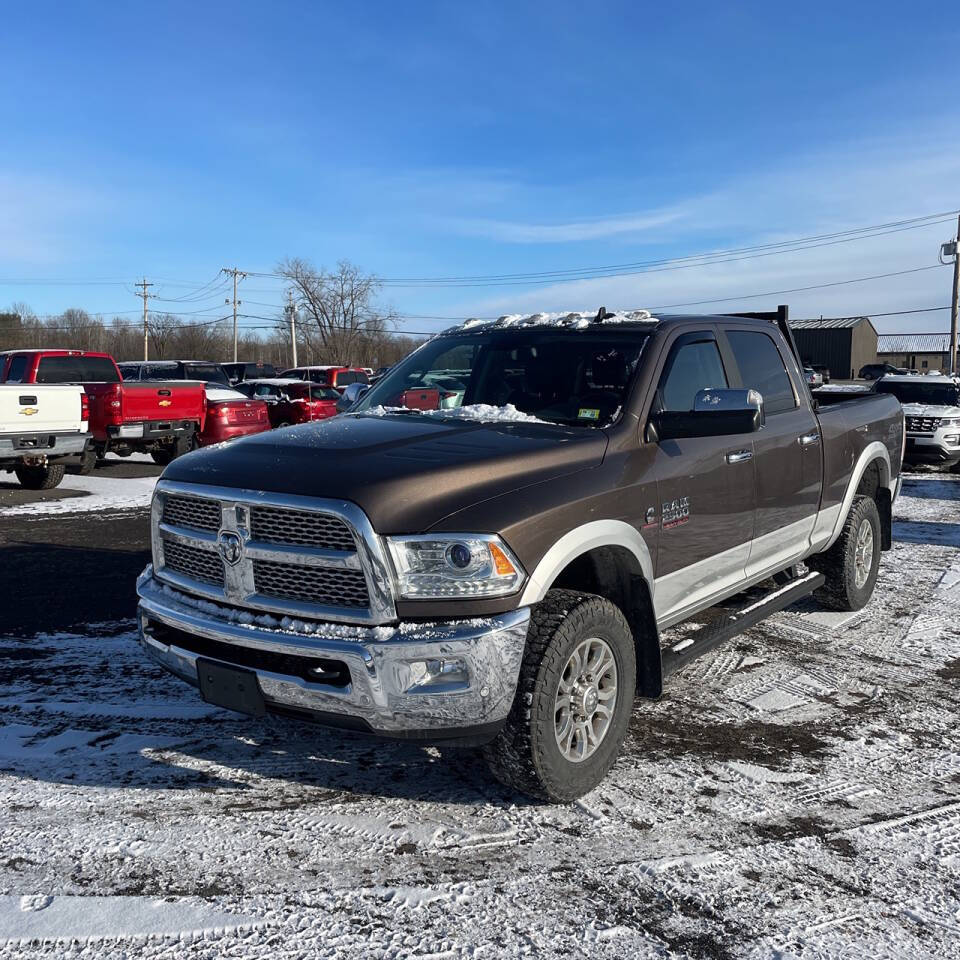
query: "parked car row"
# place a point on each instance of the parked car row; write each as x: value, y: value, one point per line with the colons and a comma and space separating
x: 162, y: 408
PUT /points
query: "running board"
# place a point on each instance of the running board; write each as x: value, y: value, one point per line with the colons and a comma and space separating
x: 735, y: 621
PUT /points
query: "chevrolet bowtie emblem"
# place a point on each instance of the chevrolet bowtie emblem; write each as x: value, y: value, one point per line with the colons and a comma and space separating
x: 29, y: 411
x: 165, y: 403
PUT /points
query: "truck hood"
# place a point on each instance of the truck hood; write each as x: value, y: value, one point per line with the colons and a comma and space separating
x: 930, y: 410
x: 406, y: 472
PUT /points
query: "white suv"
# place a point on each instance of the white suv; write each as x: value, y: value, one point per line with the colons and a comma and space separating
x: 931, y: 408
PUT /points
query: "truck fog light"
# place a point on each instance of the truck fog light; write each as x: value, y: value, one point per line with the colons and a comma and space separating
x: 436, y: 673
x: 952, y: 438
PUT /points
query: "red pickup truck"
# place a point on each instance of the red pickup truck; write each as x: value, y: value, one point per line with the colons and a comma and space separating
x: 160, y: 418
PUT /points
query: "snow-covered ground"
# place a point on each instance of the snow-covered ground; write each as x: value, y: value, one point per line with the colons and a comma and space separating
x: 795, y: 794
x: 98, y: 492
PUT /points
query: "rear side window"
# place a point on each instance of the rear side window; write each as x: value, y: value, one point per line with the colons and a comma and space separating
x: 762, y: 369
x: 77, y: 370
x: 691, y: 367
x: 360, y: 377
x: 345, y: 378
x: 18, y: 367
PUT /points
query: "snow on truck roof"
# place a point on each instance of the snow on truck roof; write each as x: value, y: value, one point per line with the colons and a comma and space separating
x: 576, y: 320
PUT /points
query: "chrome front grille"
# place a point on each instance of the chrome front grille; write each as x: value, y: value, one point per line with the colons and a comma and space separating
x: 289, y: 555
x: 922, y: 424
x: 301, y: 527
x: 347, y: 588
x: 192, y: 562
x: 192, y: 513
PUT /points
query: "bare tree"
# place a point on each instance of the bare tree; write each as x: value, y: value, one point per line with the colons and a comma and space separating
x: 163, y: 328
x: 336, y: 310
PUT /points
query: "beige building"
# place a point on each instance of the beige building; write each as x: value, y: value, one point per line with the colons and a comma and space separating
x: 915, y: 351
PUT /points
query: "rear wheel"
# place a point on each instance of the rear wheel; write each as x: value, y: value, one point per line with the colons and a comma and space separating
x: 170, y: 452
x: 852, y: 563
x: 87, y: 464
x: 40, y: 478
x: 573, y: 699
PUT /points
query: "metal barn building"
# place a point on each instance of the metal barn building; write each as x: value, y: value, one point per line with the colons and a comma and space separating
x: 842, y: 344
x: 915, y: 351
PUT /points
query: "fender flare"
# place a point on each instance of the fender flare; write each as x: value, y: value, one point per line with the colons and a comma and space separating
x: 872, y: 452
x: 581, y: 540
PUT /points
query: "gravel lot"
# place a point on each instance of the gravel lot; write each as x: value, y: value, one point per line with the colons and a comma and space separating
x: 795, y: 794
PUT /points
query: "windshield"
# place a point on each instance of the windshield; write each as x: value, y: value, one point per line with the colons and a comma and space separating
x: 570, y: 377
x: 945, y: 394
x: 208, y: 372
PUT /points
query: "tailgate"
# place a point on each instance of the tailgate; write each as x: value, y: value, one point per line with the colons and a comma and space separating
x: 163, y: 400
x: 39, y: 408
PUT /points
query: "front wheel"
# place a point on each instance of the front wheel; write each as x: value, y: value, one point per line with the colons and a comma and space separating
x: 573, y: 701
x: 852, y: 563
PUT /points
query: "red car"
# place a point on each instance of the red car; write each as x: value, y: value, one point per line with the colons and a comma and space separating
x: 231, y: 414
x: 292, y: 401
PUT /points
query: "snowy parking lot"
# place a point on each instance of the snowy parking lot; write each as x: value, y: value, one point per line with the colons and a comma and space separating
x: 794, y: 794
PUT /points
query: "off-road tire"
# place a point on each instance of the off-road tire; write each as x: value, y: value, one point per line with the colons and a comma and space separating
x: 170, y: 452
x: 840, y: 592
x: 954, y: 467
x: 87, y: 464
x: 525, y: 754
x: 40, y: 478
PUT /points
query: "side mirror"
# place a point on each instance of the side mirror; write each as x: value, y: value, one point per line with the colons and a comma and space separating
x: 716, y: 413
x: 351, y: 394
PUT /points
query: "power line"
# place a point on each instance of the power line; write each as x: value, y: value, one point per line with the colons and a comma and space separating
x: 814, y: 286
x: 730, y: 255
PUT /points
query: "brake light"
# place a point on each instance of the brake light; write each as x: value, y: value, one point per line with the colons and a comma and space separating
x: 84, y: 406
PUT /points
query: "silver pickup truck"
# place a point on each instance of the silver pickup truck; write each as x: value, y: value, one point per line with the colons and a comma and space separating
x: 499, y: 572
x: 42, y: 428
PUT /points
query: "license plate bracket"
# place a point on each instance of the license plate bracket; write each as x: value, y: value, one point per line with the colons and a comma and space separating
x: 230, y: 687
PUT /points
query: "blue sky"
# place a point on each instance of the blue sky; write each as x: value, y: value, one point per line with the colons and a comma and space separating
x: 425, y: 139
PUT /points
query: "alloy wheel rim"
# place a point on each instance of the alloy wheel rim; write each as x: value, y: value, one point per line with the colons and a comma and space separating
x: 863, y: 554
x: 585, y: 700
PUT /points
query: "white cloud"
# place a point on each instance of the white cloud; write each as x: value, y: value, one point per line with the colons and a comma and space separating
x: 818, y: 193
x: 506, y: 231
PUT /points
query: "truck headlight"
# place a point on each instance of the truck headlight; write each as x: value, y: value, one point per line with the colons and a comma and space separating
x: 454, y: 565
x: 950, y: 422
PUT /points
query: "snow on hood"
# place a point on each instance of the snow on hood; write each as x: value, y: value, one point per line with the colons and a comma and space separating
x: 930, y: 410
x: 484, y: 412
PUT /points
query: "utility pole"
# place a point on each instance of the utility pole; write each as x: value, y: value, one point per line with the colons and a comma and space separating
x: 236, y: 274
x: 292, y: 311
x: 956, y: 298
x: 143, y: 285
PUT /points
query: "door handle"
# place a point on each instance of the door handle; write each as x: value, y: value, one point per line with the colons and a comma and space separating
x: 809, y: 438
x: 739, y: 456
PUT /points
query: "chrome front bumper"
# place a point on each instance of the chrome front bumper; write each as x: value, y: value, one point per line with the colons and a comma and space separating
x: 388, y: 692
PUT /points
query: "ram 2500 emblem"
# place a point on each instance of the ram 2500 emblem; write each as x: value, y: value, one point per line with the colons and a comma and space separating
x: 230, y: 545
x: 675, y: 512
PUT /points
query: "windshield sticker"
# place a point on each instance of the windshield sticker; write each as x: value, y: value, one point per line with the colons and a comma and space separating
x: 588, y: 413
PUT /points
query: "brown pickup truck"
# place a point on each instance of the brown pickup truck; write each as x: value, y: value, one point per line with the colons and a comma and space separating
x: 499, y: 572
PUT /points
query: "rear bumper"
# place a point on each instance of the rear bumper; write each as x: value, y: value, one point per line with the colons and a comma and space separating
x: 220, y: 433
x: 18, y: 446
x: 380, y: 677
x: 150, y: 430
